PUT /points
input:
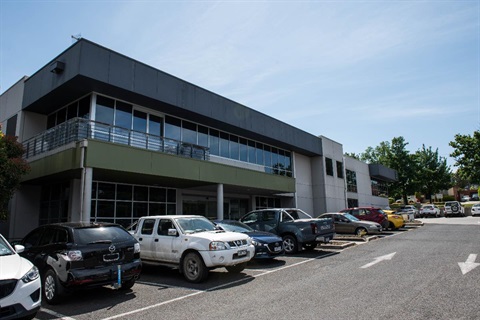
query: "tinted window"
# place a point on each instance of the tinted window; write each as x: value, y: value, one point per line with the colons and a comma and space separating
x: 91, y: 235
x: 147, y: 227
x: 32, y: 238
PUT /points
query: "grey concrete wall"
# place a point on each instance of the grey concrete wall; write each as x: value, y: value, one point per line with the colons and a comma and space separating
x: 303, y: 183
x: 11, y: 103
x: 25, y: 211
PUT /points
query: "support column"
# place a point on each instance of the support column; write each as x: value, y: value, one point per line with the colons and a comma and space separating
x: 86, y: 194
x: 220, y: 201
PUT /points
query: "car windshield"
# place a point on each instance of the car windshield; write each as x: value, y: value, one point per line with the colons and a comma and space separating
x: 427, y: 207
x: 350, y: 217
x: 5, y: 249
x: 107, y: 234
x: 195, y: 224
x: 235, y: 226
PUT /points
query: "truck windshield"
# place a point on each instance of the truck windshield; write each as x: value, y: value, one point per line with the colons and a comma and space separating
x: 191, y: 225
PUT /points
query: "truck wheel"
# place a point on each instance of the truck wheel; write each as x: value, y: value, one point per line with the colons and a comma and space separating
x: 52, y: 289
x: 194, y: 269
x: 290, y: 244
x: 236, y: 268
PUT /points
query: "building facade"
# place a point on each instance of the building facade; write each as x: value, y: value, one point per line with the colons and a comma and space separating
x: 109, y: 138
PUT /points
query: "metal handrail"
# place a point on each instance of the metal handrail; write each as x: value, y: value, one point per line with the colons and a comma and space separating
x: 78, y: 129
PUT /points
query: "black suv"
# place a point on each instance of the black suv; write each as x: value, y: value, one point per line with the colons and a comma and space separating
x: 78, y: 255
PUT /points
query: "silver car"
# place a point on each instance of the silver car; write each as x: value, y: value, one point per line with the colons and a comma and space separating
x: 476, y: 210
x: 346, y: 223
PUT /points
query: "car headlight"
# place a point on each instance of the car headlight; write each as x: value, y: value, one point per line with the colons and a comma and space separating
x: 31, y: 275
x: 255, y: 243
x: 217, y: 245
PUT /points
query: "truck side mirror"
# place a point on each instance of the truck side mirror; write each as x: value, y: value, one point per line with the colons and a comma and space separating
x: 172, y: 232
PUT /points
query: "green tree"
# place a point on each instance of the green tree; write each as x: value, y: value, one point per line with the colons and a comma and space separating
x: 381, y: 154
x: 405, y: 165
x: 467, y: 156
x: 12, y: 168
x: 433, y: 173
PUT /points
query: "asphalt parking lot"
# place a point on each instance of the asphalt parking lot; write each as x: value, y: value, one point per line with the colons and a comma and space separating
x: 164, y: 290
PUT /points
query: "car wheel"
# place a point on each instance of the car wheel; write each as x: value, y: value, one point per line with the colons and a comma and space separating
x: 128, y: 284
x: 52, y: 289
x: 360, y: 231
x: 290, y: 244
x: 236, y: 268
x: 194, y: 269
x: 392, y: 226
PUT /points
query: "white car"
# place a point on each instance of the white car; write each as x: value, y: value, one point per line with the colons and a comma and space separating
x: 476, y: 210
x: 408, y: 210
x: 454, y: 208
x: 429, y: 210
x: 20, y: 294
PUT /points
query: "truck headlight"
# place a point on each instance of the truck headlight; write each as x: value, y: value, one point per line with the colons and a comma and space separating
x: 217, y: 245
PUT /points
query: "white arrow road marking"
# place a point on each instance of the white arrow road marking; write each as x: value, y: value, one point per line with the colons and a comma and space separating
x: 469, y: 265
x: 377, y: 260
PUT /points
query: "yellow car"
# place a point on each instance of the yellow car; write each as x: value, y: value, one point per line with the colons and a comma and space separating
x: 395, y: 221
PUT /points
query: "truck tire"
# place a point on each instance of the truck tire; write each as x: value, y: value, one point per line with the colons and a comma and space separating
x: 194, y: 269
x: 290, y: 244
x: 236, y: 268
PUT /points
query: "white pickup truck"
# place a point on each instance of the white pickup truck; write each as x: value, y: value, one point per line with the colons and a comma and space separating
x: 191, y: 243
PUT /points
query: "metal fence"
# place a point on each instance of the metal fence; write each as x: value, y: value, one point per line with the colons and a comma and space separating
x: 77, y: 129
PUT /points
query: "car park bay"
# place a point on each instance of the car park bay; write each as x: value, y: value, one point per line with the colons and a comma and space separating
x: 424, y: 275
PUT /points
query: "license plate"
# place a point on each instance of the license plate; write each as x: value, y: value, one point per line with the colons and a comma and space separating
x: 277, y: 249
x: 242, y: 253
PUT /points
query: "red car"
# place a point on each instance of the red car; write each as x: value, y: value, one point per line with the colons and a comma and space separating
x: 370, y: 214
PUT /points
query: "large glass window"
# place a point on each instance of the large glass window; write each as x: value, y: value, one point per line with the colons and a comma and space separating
x: 259, y: 153
x: 339, y: 169
x: 125, y: 203
x: 243, y: 149
x: 234, y: 147
x: 379, y: 188
x: 329, y: 166
x: 123, y: 115
x: 351, y: 181
x: 189, y: 132
x: 173, y: 128
x: 104, y: 110
x: 202, y: 136
x: 224, y: 141
x: 214, y: 142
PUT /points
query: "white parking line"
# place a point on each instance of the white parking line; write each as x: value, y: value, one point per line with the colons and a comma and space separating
x: 56, y: 314
x: 215, y: 288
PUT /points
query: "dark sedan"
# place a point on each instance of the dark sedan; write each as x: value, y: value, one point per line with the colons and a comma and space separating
x: 267, y: 245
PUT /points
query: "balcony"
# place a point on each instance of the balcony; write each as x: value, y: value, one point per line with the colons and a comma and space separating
x: 78, y: 129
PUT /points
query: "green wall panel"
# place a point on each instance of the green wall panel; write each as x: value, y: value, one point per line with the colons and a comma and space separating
x: 124, y: 158
x: 56, y: 163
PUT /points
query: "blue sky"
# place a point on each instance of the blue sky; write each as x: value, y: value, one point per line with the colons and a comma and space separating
x: 357, y: 72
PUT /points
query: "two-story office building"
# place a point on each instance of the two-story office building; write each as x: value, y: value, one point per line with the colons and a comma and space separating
x: 109, y: 138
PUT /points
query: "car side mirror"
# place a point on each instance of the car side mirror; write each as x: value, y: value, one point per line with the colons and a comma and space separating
x: 172, y: 232
x: 19, y: 248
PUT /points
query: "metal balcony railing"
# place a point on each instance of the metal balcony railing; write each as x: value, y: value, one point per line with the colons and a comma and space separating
x: 77, y: 129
